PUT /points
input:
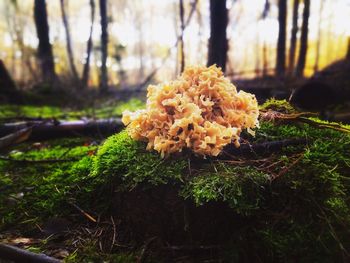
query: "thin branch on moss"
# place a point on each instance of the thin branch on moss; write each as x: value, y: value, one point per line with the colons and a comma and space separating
x: 285, y: 170
x: 83, y: 212
x: 264, y: 148
x: 302, y: 117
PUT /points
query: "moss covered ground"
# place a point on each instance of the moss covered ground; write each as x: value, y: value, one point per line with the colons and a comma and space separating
x: 103, y: 110
x: 118, y: 202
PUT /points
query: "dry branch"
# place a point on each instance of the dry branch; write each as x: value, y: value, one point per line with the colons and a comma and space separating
x: 41, y: 130
x: 16, y: 254
x: 15, y: 137
x: 264, y: 148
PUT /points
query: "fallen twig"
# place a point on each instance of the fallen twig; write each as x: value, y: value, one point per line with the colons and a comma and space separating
x: 302, y: 117
x: 83, y: 212
x: 144, y: 250
x: 15, y: 137
x: 285, y: 170
x: 16, y: 254
x: 264, y: 148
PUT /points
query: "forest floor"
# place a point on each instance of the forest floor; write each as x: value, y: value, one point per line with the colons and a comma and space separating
x: 92, y: 199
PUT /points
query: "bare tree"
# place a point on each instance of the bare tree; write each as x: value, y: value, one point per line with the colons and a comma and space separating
x: 181, y: 38
x: 104, y: 46
x: 218, y: 46
x: 281, y: 41
x: 303, y: 40
x: 318, y: 46
x: 293, y: 39
x: 348, y: 51
x: 264, y: 14
x: 86, y: 69
x: 8, y: 88
x: 45, y: 54
x: 68, y: 41
x: 176, y: 30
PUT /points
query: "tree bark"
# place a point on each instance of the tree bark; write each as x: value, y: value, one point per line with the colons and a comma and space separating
x: 86, y: 70
x: 104, y: 45
x: 45, y: 54
x: 68, y: 41
x: 218, y: 46
x: 293, y: 39
x: 281, y: 41
x: 303, y: 40
x: 181, y: 39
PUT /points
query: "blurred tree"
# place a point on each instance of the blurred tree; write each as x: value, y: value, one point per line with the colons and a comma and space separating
x: 45, y: 54
x: 137, y: 10
x: 264, y: 15
x: 303, y: 40
x: 118, y: 55
x: 86, y: 69
x: 293, y: 39
x: 281, y: 41
x: 176, y: 30
x: 348, y: 51
x: 318, y: 45
x: 218, y: 46
x: 104, y: 46
x: 8, y: 88
x: 68, y: 41
x: 15, y: 23
x: 181, y: 38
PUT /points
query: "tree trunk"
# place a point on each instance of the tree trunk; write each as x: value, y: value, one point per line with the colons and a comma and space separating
x: 104, y: 45
x: 45, y: 54
x: 348, y: 51
x: 265, y: 60
x: 68, y: 42
x: 264, y: 15
x: 86, y: 69
x: 303, y: 40
x: 318, y: 46
x: 181, y: 39
x: 8, y: 88
x: 281, y: 41
x: 218, y: 46
x: 293, y: 39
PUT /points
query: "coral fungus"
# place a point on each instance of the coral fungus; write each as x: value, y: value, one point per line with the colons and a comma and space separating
x: 201, y: 110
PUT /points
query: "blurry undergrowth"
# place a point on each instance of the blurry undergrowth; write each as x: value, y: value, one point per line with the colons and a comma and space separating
x: 111, y: 110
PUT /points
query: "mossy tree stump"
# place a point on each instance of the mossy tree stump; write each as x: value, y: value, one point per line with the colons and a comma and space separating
x: 291, y: 205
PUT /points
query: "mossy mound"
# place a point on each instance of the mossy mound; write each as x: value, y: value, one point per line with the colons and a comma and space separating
x: 291, y: 205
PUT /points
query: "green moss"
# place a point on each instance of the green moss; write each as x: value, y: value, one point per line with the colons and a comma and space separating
x: 41, y: 190
x: 127, y: 160
x: 117, y: 110
x: 8, y: 111
x: 91, y: 254
x: 13, y: 111
x: 278, y: 105
x: 241, y: 187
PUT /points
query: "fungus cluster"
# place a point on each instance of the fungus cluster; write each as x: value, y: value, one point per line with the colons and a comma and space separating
x: 201, y: 110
